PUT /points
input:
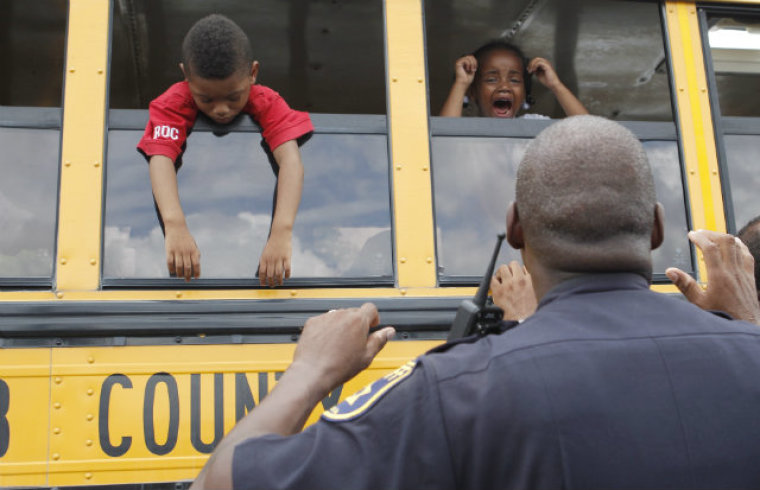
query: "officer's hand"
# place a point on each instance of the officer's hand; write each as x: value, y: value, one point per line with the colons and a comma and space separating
x: 731, y: 277
x: 336, y: 346
x: 512, y: 290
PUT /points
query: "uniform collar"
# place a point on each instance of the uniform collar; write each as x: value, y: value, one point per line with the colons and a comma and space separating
x: 592, y: 283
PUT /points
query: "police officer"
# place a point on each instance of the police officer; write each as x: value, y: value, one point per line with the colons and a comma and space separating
x: 607, y: 384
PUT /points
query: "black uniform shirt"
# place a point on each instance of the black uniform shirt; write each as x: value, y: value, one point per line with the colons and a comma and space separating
x: 607, y: 385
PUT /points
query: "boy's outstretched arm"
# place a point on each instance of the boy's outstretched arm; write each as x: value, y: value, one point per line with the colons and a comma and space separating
x: 182, y: 255
x: 274, y: 264
x: 464, y: 73
x: 548, y: 77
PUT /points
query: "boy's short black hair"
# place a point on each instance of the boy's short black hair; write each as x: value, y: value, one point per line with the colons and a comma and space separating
x: 503, y: 45
x: 215, y: 47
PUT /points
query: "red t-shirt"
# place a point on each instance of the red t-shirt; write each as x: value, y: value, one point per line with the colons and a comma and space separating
x: 173, y: 113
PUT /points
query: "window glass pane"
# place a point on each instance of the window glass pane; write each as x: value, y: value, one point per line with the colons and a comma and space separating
x: 735, y: 50
x: 474, y: 182
x: 28, y: 194
x: 616, y: 68
x: 322, y: 56
x: 32, y: 43
x: 226, y: 186
x: 742, y: 154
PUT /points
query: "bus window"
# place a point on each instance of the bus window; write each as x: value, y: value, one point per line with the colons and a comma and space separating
x: 616, y: 70
x: 31, y: 52
x: 733, y: 62
x: 308, y: 54
x: 488, y: 182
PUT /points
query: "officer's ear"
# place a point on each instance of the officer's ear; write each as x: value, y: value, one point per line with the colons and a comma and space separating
x: 658, y: 226
x: 184, y: 73
x: 514, y: 228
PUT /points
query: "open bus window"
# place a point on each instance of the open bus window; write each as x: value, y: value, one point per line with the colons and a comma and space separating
x: 308, y: 50
x: 732, y: 38
x: 308, y: 53
x: 31, y: 52
x: 616, y: 69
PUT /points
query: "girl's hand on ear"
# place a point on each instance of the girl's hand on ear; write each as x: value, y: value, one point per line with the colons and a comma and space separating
x: 464, y: 70
x: 544, y: 72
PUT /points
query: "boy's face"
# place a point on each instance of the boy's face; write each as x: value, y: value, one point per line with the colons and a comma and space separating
x: 222, y: 99
x: 499, y: 88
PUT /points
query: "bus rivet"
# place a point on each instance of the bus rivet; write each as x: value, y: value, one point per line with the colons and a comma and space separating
x: 403, y: 260
x: 57, y: 405
x: 57, y: 430
x: 419, y: 80
x: 293, y: 292
x: 63, y: 261
x: 96, y: 164
x: 88, y: 475
x: 680, y: 89
x: 56, y: 456
x: 424, y: 169
x: 692, y: 171
x: 88, y: 442
x: 100, y: 71
x: 59, y: 295
x: 89, y: 416
x: 93, y: 261
x: 179, y: 294
x: 90, y: 391
x: 403, y: 292
x: 429, y: 260
x: 715, y: 172
x: 395, y: 79
x: 72, y: 70
x: 67, y: 163
x: 90, y: 359
x: 58, y: 380
x: 704, y: 90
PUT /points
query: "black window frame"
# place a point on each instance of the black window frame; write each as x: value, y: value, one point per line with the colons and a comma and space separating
x: 724, y: 125
x: 21, y: 117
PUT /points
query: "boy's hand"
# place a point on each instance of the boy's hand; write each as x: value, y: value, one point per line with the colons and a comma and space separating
x: 465, y: 69
x: 512, y: 289
x: 545, y: 73
x: 182, y: 255
x: 274, y: 264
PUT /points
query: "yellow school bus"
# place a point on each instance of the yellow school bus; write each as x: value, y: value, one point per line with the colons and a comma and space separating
x: 112, y: 372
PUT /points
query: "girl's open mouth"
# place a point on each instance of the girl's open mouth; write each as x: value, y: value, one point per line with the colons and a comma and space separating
x: 503, y: 108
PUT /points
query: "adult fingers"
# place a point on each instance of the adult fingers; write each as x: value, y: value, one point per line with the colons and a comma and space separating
x: 501, y: 273
x: 747, y: 260
x: 686, y: 284
x: 369, y: 312
x: 287, y: 268
x: 376, y: 341
x: 515, y: 268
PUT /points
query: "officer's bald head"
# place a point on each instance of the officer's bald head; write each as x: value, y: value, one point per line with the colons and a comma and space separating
x: 585, y: 198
